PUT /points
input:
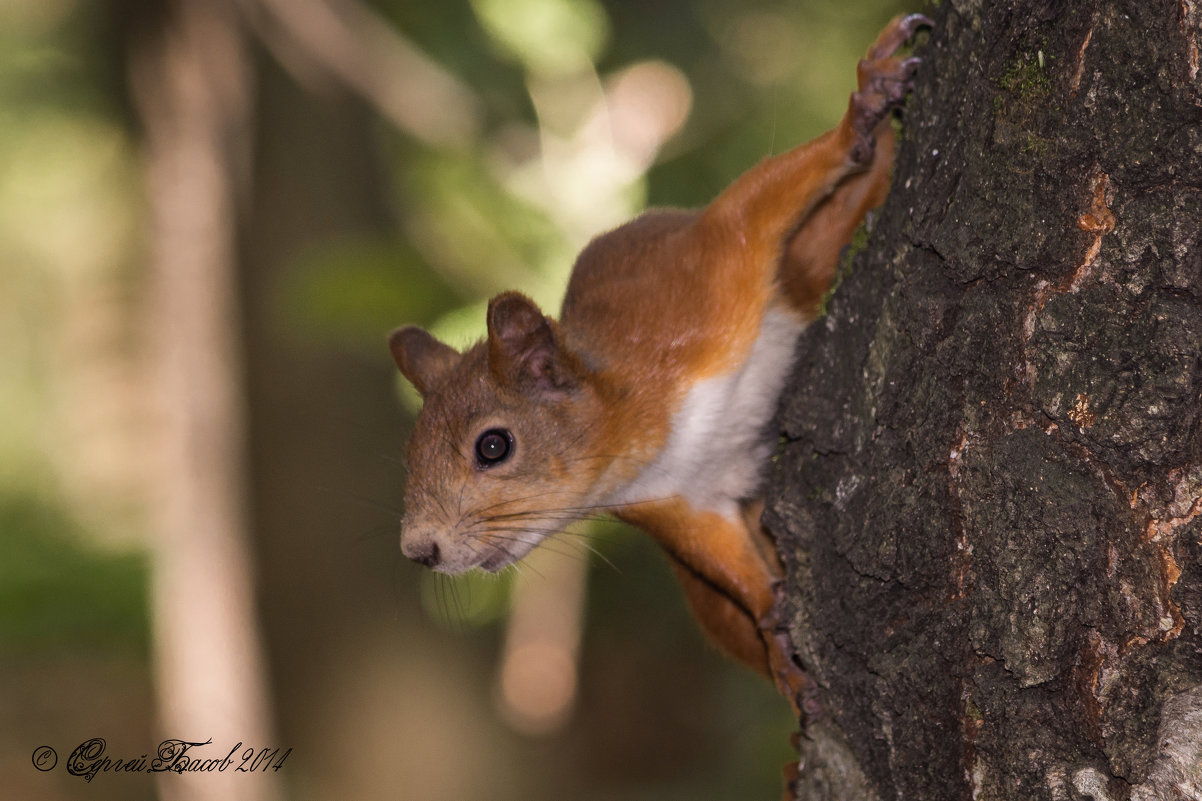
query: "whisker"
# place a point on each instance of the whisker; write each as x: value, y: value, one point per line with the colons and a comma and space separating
x: 364, y: 500
x: 522, y: 529
x: 459, y: 500
x: 591, y: 512
x: 440, y: 599
x: 400, y: 461
x: 448, y: 434
x: 461, y: 606
x: 553, y: 514
x: 579, y: 548
x: 442, y: 507
x: 520, y: 568
x: 374, y: 532
x: 518, y: 499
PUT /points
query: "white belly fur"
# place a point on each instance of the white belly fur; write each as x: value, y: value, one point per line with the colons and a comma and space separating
x: 718, y: 444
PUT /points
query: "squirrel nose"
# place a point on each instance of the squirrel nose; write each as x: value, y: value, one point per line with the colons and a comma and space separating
x: 424, y: 553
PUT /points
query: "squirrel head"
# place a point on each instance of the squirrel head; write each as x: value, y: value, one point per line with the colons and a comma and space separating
x: 506, y: 446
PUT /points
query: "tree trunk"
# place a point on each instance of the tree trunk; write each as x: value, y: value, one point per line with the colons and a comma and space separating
x: 990, y: 498
x: 191, y: 85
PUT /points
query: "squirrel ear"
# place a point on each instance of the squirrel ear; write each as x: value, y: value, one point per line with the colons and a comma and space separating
x: 421, y: 357
x: 522, y: 344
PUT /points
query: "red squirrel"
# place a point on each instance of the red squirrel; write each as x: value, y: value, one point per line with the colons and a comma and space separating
x: 651, y: 397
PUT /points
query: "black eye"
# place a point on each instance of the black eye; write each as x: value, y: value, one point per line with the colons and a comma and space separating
x: 493, y: 447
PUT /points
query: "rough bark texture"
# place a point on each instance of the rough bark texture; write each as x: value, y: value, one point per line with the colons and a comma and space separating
x: 990, y: 497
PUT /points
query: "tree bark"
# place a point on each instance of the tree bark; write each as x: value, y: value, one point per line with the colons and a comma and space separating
x: 989, y: 501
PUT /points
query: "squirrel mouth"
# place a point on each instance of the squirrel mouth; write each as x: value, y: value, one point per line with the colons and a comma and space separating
x: 495, y: 561
x: 502, y: 552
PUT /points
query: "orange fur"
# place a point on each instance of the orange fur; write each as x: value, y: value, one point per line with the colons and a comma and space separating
x: 813, y: 253
x: 674, y: 335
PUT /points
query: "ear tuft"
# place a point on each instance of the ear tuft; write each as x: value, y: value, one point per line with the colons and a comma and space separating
x: 421, y: 358
x: 522, y: 344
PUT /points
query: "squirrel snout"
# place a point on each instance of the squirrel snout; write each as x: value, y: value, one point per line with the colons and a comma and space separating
x: 424, y: 553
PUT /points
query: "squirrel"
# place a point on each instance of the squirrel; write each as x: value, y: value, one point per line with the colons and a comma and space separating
x: 651, y: 397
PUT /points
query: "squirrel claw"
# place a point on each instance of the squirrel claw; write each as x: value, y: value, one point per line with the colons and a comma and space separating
x: 897, y: 33
x: 792, y: 773
x: 884, y: 81
x: 791, y: 679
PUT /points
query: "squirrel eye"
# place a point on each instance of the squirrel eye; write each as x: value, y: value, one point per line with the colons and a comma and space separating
x: 493, y: 447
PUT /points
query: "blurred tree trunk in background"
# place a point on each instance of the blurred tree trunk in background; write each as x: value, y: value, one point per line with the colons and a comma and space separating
x: 318, y: 469
x: 249, y: 172
x: 190, y: 82
x: 990, y: 503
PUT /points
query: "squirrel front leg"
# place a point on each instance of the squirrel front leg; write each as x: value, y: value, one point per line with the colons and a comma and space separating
x: 726, y: 624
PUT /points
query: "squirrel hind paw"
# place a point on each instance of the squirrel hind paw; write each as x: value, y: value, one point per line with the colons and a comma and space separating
x: 899, y: 31
x: 884, y: 81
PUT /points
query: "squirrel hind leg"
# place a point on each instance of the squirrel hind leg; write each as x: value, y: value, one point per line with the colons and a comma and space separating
x: 812, y: 254
x: 896, y: 33
x: 812, y: 251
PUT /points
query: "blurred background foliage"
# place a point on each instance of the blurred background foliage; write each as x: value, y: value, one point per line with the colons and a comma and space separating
x: 383, y: 678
